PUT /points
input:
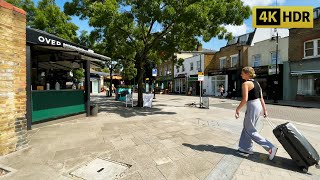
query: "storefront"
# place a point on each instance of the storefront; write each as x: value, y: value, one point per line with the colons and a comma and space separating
x: 195, y: 84
x: 216, y: 79
x: 53, y: 90
x: 306, y: 76
x: 180, y: 83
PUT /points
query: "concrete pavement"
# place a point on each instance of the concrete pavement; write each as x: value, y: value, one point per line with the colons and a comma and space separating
x: 168, y: 141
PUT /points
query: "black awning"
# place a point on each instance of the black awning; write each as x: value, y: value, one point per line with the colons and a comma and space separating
x: 180, y: 76
x: 44, y: 39
x: 38, y: 37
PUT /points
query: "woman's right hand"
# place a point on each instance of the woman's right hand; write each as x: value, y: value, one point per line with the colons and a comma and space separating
x: 265, y: 114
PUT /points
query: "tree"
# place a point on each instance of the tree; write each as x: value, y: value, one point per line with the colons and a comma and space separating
x: 78, y: 74
x: 155, y: 29
x: 48, y: 17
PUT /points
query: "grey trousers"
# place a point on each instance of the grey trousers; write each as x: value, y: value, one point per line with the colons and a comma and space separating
x: 249, y: 132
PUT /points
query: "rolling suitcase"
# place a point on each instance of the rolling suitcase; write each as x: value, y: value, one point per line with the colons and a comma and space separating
x: 297, y: 146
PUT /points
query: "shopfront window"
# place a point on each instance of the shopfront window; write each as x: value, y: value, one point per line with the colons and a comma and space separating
x: 309, y: 85
x: 216, y: 82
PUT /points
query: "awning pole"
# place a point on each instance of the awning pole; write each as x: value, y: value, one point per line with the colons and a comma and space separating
x: 87, y: 87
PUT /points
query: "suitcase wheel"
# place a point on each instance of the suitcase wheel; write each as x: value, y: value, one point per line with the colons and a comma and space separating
x: 317, y: 166
x: 304, y: 170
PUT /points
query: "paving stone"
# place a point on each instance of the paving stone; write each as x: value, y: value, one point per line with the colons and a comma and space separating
x: 203, y: 174
x: 152, y: 173
x: 168, y: 143
x: 123, y: 143
x: 172, y: 171
x: 144, y: 149
x: 144, y: 162
x: 138, y: 141
x: 134, y: 176
x: 174, y: 154
x: 67, y: 154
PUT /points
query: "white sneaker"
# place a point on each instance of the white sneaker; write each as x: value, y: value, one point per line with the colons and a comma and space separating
x: 245, y: 151
x: 272, y: 152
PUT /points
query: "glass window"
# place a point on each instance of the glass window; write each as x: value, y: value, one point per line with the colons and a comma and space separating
x: 198, y: 64
x: 177, y: 69
x: 234, y: 61
x: 182, y: 68
x: 308, y: 51
x: 274, y: 59
x: 308, y: 86
x: 223, y: 63
x: 256, y: 60
x: 191, y: 66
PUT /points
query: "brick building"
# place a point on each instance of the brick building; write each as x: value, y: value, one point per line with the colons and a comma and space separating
x: 302, y: 72
x: 13, y: 123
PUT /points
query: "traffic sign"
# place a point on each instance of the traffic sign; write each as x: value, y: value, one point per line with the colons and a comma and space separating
x: 200, y: 76
x: 154, y: 72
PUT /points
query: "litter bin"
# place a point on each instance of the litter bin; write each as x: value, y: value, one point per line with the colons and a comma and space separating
x: 94, y: 110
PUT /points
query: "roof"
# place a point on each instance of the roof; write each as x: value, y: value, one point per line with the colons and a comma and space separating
x: 245, y: 39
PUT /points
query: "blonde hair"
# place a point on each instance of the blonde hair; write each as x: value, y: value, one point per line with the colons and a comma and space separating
x: 250, y: 71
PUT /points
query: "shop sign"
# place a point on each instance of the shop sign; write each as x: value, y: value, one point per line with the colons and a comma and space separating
x: 272, y: 69
x: 154, y: 72
x: 200, y: 76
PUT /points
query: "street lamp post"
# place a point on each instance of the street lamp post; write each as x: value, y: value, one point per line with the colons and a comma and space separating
x: 276, y: 81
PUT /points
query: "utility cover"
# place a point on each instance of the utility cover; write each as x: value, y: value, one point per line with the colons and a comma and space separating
x: 100, y: 169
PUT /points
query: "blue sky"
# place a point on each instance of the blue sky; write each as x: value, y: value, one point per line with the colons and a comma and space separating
x: 215, y: 43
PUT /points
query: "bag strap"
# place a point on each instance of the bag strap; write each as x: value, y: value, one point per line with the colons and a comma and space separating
x: 270, y: 123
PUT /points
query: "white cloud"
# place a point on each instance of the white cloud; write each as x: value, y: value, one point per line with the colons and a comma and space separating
x: 237, y: 30
x: 263, y: 2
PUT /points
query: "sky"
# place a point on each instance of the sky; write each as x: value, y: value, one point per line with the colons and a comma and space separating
x: 215, y: 43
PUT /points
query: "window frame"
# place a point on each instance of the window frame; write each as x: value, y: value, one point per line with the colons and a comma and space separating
x: 279, y: 60
x: 225, y: 62
x: 231, y: 61
x: 316, y: 48
x: 191, y: 66
x: 254, y: 60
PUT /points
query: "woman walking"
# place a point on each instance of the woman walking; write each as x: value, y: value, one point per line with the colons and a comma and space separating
x: 252, y: 96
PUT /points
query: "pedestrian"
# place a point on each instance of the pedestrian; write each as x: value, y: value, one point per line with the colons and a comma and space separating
x: 190, y: 90
x: 252, y: 96
x: 221, y: 90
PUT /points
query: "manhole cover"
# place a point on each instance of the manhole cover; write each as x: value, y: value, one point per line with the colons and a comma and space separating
x: 100, y: 169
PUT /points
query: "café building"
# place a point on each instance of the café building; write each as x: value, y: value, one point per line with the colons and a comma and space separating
x: 53, y: 91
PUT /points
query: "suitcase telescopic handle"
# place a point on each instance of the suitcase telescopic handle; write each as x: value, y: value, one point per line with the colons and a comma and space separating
x: 270, y: 123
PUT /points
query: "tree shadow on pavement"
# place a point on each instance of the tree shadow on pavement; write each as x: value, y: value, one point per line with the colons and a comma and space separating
x: 279, y: 162
x: 110, y: 105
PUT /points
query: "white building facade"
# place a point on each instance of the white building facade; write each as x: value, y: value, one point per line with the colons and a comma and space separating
x: 186, y: 75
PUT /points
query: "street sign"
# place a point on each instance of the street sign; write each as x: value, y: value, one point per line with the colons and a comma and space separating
x: 200, y: 76
x: 154, y: 72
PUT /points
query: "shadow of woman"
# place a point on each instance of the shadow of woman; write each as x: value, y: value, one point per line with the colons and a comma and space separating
x: 279, y: 162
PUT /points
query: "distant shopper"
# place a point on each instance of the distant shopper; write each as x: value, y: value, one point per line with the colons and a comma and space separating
x: 221, y: 90
x: 252, y: 96
x: 190, y: 91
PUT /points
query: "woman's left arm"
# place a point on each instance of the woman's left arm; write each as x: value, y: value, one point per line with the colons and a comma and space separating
x: 244, y: 98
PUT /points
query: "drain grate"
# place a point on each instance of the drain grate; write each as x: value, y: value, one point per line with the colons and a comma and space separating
x: 100, y: 169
